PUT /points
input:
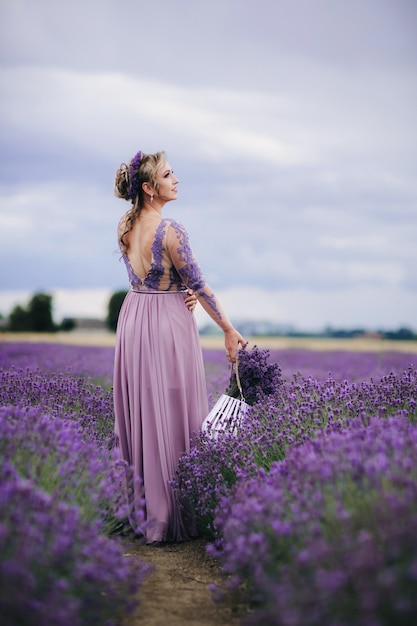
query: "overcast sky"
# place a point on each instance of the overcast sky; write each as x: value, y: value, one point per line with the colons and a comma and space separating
x: 290, y: 124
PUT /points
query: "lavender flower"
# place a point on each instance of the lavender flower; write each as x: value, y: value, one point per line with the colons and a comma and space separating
x: 297, y: 411
x: 258, y: 379
x: 92, y: 362
x: 55, y: 567
x: 328, y: 536
x: 63, y: 492
x: 53, y: 453
x: 134, y: 185
x: 58, y: 395
x: 207, y: 473
x: 311, y: 503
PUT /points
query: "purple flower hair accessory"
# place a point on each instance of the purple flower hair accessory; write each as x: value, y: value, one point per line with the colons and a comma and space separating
x: 133, y: 171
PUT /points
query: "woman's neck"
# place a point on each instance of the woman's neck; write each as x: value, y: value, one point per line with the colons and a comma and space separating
x: 151, y: 210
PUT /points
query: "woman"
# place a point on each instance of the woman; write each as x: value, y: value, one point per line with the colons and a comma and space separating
x: 160, y: 393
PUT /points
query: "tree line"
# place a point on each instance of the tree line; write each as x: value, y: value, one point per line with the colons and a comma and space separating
x: 37, y: 317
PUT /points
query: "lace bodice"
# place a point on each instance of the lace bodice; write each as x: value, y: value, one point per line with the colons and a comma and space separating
x: 174, y: 267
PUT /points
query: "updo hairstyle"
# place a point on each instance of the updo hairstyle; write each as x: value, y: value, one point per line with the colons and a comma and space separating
x: 128, y: 185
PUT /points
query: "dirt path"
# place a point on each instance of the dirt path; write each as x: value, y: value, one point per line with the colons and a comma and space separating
x: 176, y: 593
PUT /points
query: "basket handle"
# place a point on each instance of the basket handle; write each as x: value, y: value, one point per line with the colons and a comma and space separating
x: 239, y: 385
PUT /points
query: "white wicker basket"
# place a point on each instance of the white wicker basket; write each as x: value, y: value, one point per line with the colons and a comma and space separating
x: 227, y: 413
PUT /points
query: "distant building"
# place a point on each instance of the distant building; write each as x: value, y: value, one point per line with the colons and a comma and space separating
x: 86, y: 323
x: 371, y: 335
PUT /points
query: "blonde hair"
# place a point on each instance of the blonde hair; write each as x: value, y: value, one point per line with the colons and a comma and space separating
x: 128, y: 186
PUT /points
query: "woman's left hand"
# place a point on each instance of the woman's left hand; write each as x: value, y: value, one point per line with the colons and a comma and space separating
x: 191, y: 300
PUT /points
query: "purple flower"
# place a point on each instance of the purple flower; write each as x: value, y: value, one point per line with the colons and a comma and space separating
x: 341, y: 541
x: 134, y: 186
x: 311, y: 503
x: 63, y: 492
x: 257, y: 377
x: 56, y: 567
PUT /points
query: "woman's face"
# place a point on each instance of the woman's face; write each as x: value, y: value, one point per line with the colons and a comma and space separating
x: 167, y: 183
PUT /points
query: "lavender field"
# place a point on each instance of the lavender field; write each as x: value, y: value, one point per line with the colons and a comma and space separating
x: 311, y: 508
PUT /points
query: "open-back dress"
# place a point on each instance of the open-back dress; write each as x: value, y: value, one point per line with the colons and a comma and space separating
x: 160, y: 393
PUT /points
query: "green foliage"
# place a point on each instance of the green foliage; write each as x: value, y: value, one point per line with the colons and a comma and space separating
x: 114, y: 307
x: 19, y: 319
x: 40, y: 312
x: 67, y: 324
x: 36, y: 318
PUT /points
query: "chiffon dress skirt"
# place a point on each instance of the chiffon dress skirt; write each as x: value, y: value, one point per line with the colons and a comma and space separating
x: 160, y: 399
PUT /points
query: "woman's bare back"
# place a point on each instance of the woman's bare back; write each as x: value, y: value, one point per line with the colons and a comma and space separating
x: 140, y: 240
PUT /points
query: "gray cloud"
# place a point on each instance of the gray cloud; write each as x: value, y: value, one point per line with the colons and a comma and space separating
x: 290, y: 125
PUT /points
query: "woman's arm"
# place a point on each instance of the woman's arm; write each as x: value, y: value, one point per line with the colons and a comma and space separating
x: 186, y: 264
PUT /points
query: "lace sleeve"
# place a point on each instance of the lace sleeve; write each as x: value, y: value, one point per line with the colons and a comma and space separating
x: 184, y: 261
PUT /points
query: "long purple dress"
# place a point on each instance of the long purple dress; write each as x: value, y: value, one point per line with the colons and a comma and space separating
x: 160, y: 393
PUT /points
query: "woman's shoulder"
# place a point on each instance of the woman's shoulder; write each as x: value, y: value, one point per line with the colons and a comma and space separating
x: 176, y: 235
x: 170, y: 221
x: 175, y: 227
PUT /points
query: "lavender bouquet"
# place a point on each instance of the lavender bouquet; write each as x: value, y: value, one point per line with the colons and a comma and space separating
x: 258, y: 378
